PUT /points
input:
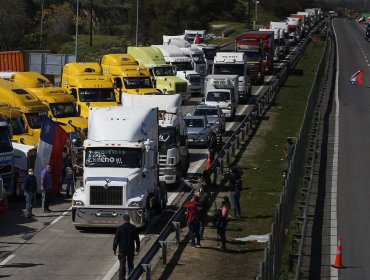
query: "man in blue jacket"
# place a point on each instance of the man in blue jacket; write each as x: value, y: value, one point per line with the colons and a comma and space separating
x: 30, y: 189
x: 126, y: 237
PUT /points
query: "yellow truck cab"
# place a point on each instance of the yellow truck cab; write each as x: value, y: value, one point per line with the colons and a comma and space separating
x: 62, y: 106
x: 14, y: 116
x: 126, y: 75
x: 86, y: 82
x: 163, y: 75
x: 30, y: 106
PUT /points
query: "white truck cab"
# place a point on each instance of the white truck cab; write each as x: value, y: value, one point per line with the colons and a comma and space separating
x: 120, y: 168
x: 175, y: 56
x: 192, y: 51
x: 234, y: 63
x: 222, y: 91
x: 173, y: 151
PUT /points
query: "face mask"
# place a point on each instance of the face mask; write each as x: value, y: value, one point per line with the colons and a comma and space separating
x: 30, y: 173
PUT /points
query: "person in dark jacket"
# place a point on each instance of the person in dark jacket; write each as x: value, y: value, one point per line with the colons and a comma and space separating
x: 236, y: 187
x: 126, y: 237
x: 212, y: 145
x: 30, y: 189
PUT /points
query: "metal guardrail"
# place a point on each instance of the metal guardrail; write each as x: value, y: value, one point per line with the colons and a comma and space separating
x: 225, y: 157
x: 270, y: 267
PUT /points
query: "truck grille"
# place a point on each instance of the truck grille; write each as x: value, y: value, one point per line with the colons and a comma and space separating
x: 162, y: 163
x: 5, y: 169
x: 195, y: 79
x: 100, y: 195
x: 181, y: 87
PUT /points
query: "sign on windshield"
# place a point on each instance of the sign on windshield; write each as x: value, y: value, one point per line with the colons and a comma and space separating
x: 113, y: 157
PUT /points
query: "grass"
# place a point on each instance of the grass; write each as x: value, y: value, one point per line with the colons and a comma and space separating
x: 264, y: 165
x: 101, y: 44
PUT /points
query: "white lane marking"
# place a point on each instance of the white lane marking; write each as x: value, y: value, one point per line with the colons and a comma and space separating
x: 334, y: 177
x: 4, y: 262
x: 61, y: 216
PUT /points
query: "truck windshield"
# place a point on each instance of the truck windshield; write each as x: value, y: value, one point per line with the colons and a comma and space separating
x: 198, y: 58
x: 5, y: 142
x: 97, y: 95
x: 182, y: 66
x: 164, y: 71
x: 210, y: 53
x: 206, y: 112
x: 63, y: 110
x: 113, y: 157
x: 167, y: 138
x: 254, y: 56
x: 194, y: 123
x: 229, y: 69
x: 17, y: 126
x: 34, y: 120
x: 218, y: 96
x: 132, y: 83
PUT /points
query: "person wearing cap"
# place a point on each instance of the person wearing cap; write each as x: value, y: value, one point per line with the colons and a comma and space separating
x: 126, y: 237
x: 30, y: 189
x: 212, y: 145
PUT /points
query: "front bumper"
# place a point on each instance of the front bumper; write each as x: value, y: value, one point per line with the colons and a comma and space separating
x: 197, y: 141
x: 106, y: 217
x: 168, y: 175
x: 227, y: 113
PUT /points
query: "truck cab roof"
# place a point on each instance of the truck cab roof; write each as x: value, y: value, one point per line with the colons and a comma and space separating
x: 118, y: 59
x: 20, y: 98
x: 147, y: 55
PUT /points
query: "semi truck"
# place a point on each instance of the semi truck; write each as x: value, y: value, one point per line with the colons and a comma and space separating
x: 184, y: 69
x: 279, y: 48
x: 18, y: 131
x: 295, y: 30
x: 191, y: 34
x: 30, y: 106
x: 268, y: 43
x: 120, y: 168
x: 6, y: 163
x: 222, y: 91
x: 163, y: 75
x: 306, y: 21
x: 284, y: 34
x: 253, y: 49
x: 193, y: 52
x: 24, y: 158
x: 87, y: 84
x: 62, y: 106
x: 173, y: 151
x: 234, y: 63
x: 126, y: 75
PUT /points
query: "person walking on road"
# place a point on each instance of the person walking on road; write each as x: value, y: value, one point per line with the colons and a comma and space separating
x: 212, y: 145
x: 69, y: 177
x: 46, y: 184
x: 203, y: 201
x: 126, y: 238
x: 193, y: 209
x: 236, y: 186
x: 289, y: 149
x: 30, y: 189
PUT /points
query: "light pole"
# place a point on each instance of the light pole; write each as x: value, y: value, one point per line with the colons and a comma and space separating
x: 76, y: 46
x: 42, y: 21
x: 256, y: 17
x: 137, y: 19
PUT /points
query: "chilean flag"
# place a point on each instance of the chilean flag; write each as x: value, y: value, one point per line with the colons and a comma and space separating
x: 356, y: 78
x: 50, y: 151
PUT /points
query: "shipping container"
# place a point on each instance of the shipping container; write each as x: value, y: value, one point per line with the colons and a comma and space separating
x: 12, y: 61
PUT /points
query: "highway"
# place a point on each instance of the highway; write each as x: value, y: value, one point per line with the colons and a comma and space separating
x: 353, y: 158
x: 49, y: 247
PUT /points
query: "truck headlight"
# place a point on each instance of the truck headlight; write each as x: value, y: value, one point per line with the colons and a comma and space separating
x: 77, y: 203
x: 139, y: 204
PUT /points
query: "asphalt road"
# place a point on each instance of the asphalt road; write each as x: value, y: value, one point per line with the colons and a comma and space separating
x: 49, y: 247
x: 353, y: 189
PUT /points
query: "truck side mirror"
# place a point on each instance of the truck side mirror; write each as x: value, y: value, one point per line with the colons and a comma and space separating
x: 117, y: 83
